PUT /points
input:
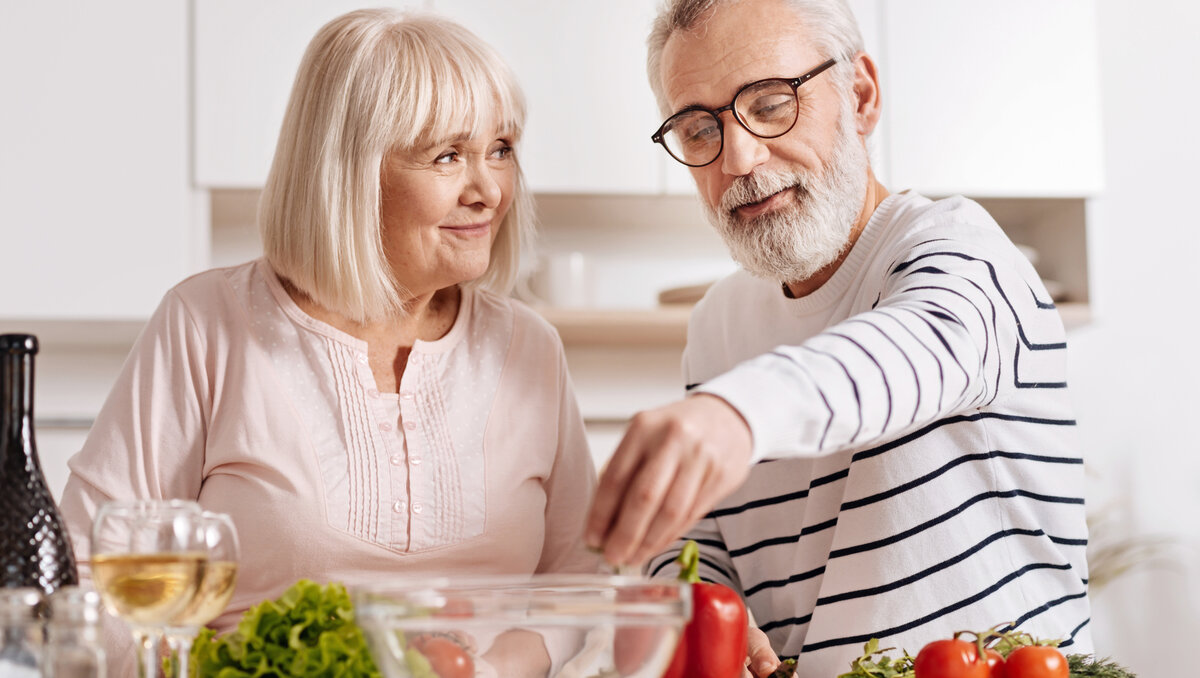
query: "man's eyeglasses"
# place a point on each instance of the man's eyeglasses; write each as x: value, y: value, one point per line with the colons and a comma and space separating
x: 767, y: 109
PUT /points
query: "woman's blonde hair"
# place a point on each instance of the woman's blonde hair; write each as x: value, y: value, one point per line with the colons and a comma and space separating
x: 374, y: 81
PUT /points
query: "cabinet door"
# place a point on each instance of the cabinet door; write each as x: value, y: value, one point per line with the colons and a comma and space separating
x: 97, y: 214
x: 992, y: 98
x: 246, y: 56
x: 582, y: 66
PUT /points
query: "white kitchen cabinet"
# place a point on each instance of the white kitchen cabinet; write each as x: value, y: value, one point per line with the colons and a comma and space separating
x: 582, y: 66
x: 246, y: 56
x: 992, y: 99
x: 97, y: 216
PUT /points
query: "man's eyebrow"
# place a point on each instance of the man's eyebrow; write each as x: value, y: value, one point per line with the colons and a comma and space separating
x: 694, y: 106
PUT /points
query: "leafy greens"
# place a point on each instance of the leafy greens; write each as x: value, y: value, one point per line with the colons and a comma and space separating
x: 308, y: 631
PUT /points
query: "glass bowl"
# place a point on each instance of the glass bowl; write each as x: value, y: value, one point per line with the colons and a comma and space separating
x: 558, y: 626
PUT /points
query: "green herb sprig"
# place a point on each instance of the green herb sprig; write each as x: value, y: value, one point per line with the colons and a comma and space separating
x: 875, y: 663
x: 1087, y: 666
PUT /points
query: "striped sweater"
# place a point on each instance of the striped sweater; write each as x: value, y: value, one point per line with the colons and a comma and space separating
x: 918, y: 471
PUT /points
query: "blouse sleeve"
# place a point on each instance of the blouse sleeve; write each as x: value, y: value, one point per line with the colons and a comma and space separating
x: 148, y: 440
x: 569, y: 489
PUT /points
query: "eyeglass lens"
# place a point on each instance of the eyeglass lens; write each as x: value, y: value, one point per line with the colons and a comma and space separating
x: 767, y: 108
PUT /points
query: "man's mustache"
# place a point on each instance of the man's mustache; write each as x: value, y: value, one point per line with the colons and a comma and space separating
x: 754, y: 188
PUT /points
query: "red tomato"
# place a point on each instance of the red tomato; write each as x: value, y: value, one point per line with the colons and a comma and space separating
x: 995, y: 662
x: 950, y: 659
x: 447, y: 658
x: 1036, y: 661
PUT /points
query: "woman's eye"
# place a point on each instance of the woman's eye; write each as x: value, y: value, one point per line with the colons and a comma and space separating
x: 446, y: 158
x: 502, y: 152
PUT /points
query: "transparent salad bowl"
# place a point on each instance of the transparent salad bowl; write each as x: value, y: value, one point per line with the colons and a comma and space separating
x: 559, y: 626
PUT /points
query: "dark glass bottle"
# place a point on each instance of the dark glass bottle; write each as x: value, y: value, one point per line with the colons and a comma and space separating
x: 34, y: 548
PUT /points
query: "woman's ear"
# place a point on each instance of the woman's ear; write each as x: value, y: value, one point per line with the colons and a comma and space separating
x: 866, y: 93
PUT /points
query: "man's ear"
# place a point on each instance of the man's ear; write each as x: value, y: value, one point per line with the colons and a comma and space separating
x: 866, y: 93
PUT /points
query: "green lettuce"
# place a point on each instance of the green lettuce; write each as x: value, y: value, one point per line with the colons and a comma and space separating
x: 308, y: 631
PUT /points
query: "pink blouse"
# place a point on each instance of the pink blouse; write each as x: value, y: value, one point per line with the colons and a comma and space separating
x: 235, y: 397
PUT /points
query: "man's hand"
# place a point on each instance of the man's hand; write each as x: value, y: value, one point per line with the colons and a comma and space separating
x: 761, y: 661
x: 673, y: 465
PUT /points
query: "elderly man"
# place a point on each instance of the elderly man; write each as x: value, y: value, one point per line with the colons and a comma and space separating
x: 878, y: 440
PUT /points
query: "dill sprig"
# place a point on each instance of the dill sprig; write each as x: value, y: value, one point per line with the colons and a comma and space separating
x: 1087, y: 666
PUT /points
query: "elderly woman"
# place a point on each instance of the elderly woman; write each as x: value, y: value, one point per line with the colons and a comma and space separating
x: 364, y: 400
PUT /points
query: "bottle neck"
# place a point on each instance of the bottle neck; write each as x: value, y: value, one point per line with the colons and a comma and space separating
x: 16, y: 406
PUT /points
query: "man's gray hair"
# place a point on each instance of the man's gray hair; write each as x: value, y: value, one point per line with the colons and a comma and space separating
x: 830, y: 24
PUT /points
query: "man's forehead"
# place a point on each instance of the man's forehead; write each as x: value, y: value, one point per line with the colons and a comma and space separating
x: 712, y: 62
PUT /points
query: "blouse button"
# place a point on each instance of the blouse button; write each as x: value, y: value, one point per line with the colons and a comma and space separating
x: 362, y: 358
x: 397, y: 460
x: 417, y: 508
x: 410, y: 425
x: 385, y: 426
x: 407, y: 395
x: 415, y: 460
x: 373, y: 393
x: 398, y: 506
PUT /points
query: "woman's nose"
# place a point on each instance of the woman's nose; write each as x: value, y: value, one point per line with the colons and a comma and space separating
x: 483, y: 187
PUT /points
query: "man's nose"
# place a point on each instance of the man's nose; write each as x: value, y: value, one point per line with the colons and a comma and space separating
x: 742, y: 150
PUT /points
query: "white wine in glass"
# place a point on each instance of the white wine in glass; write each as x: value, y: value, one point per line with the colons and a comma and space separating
x: 217, y: 581
x: 147, y: 559
x: 148, y: 588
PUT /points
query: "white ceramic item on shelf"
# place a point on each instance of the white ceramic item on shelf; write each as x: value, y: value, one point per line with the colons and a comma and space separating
x: 563, y: 279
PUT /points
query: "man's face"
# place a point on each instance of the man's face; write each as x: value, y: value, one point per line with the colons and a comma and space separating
x: 784, y: 206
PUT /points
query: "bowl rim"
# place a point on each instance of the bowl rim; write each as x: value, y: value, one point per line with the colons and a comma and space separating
x: 537, y: 580
x: 370, y: 598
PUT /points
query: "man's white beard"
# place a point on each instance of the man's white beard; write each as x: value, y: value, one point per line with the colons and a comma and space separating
x: 792, y: 243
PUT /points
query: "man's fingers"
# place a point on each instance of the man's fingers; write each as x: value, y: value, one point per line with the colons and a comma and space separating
x: 675, y: 515
x: 610, y: 493
x: 641, y: 504
x: 762, y: 659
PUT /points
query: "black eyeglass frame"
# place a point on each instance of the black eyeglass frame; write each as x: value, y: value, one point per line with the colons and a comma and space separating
x: 794, y: 83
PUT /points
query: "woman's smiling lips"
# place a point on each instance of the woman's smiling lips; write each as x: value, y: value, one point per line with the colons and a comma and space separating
x: 470, y: 230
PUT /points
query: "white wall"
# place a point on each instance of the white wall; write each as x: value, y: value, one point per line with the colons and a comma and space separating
x: 1134, y: 374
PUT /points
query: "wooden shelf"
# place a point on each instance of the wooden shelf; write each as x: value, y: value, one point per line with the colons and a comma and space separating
x: 662, y: 326
x: 667, y: 325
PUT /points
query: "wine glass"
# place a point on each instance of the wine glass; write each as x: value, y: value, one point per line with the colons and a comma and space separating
x: 216, y: 587
x: 147, y: 561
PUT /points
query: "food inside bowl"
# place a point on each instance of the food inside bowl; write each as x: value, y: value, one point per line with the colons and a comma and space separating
x: 508, y: 626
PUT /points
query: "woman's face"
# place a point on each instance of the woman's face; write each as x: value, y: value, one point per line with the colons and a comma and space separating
x: 442, y: 206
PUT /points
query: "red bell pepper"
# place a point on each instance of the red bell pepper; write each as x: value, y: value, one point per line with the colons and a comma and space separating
x: 713, y: 644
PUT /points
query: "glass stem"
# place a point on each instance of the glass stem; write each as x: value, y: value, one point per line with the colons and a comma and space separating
x: 148, y: 640
x: 181, y: 645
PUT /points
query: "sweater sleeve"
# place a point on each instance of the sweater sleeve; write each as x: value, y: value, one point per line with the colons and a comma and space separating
x: 147, y: 441
x: 716, y: 565
x: 926, y: 349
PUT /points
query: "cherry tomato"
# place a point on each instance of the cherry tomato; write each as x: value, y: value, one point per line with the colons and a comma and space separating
x: 1036, y: 661
x: 950, y: 659
x: 447, y: 658
x: 995, y: 662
